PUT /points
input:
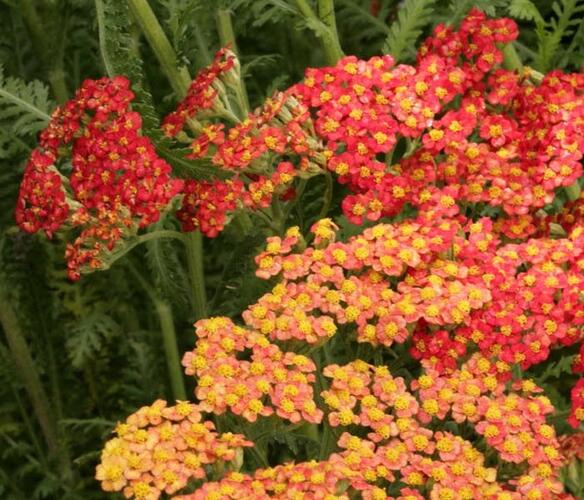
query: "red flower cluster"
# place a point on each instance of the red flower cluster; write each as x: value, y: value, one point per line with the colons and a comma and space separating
x: 504, y: 141
x: 117, y: 181
x: 473, y: 133
x: 205, y: 93
x: 206, y: 204
x: 42, y: 201
x: 281, y: 126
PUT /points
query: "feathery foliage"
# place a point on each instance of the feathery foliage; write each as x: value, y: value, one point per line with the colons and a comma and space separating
x: 412, y: 18
x: 25, y: 106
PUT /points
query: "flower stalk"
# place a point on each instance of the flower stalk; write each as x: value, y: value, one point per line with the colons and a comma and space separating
x: 29, y: 375
x: 169, y: 339
x: 326, y: 15
x: 164, y: 312
x: 179, y: 79
x: 227, y: 38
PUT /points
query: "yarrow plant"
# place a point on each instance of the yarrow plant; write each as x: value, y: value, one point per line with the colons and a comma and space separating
x: 116, y: 182
x: 407, y: 351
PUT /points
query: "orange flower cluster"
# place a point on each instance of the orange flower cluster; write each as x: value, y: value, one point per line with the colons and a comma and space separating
x: 161, y: 448
x: 513, y: 423
x: 403, y: 451
x: 289, y: 481
x: 383, y: 280
x: 247, y: 386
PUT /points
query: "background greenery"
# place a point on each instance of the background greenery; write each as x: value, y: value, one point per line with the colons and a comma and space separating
x: 77, y: 357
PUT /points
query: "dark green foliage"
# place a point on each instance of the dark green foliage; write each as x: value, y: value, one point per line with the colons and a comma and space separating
x: 412, y: 17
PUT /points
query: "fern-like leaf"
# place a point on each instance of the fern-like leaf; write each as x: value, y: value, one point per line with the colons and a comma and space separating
x: 26, y: 107
x: 266, y: 11
x: 563, y: 25
x: 88, y: 336
x: 550, y: 34
x: 412, y: 18
x: 526, y: 10
x: 357, y: 15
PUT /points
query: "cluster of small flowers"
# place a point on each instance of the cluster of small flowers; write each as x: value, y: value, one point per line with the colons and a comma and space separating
x: 206, y: 92
x: 450, y: 284
x: 401, y: 450
x: 298, y: 481
x: 475, y: 132
x: 508, y: 143
x: 117, y: 182
x: 512, y: 423
x: 160, y: 448
x: 282, y: 126
x: 227, y: 382
x: 206, y: 204
x: 357, y: 282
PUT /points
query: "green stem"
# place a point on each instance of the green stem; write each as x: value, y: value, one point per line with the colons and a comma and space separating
x: 180, y: 81
x: 242, y: 223
x: 330, y: 40
x: 29, y: 426
x: 52, y: 369
x: 138, y: 240
x: 169, y: 339
x: 105, y: 56
x: 326, y: 12
x: 29, y: 375
x: 511, y: 60
x: 205, y: 58
x: 178, y: 76
x: 194, y: 248
x: 173, y: 363
x: 227, y: 37
x: 328, y: 195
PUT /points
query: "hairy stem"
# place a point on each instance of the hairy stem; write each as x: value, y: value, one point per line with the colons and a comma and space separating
x: 30, y: 377
x: 178, y: 76
x: 326, y: 13
x: 511, y: 60
x: 180, y: 80
x: 173, y: 364
x: 227, y: 37
x: 328, y: 195
x: 330, y: 40
x: 169, y: 339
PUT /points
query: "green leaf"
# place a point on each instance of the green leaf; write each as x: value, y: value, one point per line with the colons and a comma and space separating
x: 412, y: 18
x: 555, y: 370
x: 24, y: 107
x: 526, y: 10
x: 88, y: 335
x: 265, y: 11
x: 357, y: 15
x: 550, y: 34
